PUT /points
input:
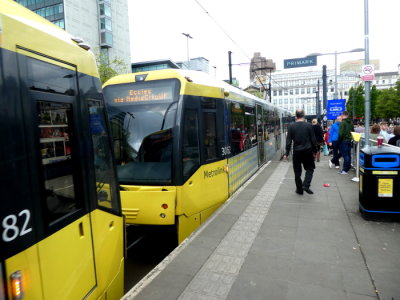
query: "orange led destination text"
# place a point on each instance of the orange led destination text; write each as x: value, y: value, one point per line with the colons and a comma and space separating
x: 142, y: 95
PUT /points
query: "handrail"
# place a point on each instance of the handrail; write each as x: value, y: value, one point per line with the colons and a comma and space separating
x: 356, y: 155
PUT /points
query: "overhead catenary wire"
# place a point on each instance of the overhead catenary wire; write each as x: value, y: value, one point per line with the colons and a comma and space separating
x: 232, y: 40
x: 222, y: 29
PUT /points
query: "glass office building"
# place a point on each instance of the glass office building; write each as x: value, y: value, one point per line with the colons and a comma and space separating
x: 103, y: 24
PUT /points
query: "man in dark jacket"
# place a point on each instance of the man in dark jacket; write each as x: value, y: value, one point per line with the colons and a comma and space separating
x: 302, y: 135
x: 345, y: 139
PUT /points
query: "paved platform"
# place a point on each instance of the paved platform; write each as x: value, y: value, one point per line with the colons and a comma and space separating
x: 267, y: 242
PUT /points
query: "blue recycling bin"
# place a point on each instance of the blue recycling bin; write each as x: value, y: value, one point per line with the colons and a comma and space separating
x: 379, y: 188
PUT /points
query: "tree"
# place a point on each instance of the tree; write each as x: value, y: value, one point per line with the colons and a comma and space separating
x: 109, y: 68
x: 374, y: 99
x: 388, y: 103
x: 357, y: 95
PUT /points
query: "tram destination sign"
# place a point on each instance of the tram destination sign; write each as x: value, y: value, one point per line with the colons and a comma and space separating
x: 144, y: 94
x: 300, y: 62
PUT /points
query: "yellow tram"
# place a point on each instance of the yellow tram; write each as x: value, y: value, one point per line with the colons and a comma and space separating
x: 61, y: 224
x: 184, y: 142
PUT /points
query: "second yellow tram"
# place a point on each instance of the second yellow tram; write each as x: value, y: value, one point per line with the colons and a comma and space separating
x: 184, y: 142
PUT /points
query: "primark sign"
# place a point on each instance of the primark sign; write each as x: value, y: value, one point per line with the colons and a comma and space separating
x: 300, y: 62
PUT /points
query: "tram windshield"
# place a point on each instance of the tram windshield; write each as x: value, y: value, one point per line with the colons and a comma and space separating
x: 142, y: 116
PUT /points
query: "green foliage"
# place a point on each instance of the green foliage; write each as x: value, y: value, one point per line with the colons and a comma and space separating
x: 109, y: 68
x: 374, y: 99
x: 385, y: 104
x: 356, y: 95
x: 388, y: 103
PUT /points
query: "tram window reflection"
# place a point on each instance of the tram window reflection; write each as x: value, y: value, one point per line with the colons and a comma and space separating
x: 210, y: 135
x: 104, y: 171
x: 190, y: 151
x: 55, y: 129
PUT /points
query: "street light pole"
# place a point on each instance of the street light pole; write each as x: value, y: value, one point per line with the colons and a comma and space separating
x: 318, y: 106
x: 335, y: 95
x: 367, y: 83
x: 187, y: 47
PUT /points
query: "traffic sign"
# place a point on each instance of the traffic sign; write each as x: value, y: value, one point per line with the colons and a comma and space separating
x: 335, y: 107
x: 367, y: 73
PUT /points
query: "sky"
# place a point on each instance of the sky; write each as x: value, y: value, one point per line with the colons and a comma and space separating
x: 278, y: 29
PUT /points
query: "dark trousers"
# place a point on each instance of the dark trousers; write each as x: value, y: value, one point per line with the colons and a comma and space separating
x: 345, y: 149
x: 306, y: 159
x: 336, y: 153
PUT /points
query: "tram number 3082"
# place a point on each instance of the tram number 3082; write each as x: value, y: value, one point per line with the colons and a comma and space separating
x: 10, y: 229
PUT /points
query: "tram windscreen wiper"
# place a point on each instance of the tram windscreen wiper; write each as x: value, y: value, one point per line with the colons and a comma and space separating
x: 166, y: 113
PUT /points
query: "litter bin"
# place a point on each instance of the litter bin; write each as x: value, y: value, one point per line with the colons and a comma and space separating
x: 379, y: 180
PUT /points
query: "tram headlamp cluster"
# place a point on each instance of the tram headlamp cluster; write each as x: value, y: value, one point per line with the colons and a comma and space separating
x: 141, y: 77
x: 17, y: 290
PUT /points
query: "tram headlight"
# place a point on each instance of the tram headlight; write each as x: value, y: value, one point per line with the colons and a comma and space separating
x: 17, y: 290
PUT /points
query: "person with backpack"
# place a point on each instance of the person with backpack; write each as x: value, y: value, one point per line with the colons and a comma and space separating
x: 345, y: 141
x: 334, y: 142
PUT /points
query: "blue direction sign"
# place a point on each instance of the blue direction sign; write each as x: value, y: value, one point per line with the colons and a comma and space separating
x: 300, y: 62
x: 335, y: 108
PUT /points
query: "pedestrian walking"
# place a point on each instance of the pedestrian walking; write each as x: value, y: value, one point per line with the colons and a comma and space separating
x: 301, y: 134
x: 319, y: 136
x: 345, y: 139
x: 334, y: 143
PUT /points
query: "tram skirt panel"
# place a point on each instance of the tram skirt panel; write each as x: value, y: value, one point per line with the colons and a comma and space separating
x: 241, y: 167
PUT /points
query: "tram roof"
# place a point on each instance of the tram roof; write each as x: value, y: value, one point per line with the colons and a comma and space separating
x: 31, y: 31
x: 191, y: 77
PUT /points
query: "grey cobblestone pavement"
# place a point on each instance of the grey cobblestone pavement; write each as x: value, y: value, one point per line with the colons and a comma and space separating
x: 269, y: 243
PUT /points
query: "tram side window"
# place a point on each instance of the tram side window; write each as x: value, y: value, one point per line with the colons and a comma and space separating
x: 55, y: 130
x: 210, y: 135
x: 190, y: 151
x: 49, y: 78
x: 250, y: 127
x: 269, y: 124
x: 266, y: 125
x: 104, y: 171
x: 237, y: 131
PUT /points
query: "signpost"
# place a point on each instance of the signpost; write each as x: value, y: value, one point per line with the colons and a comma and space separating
x: 367, y: 73
x: 300, y: 62
x: 335, y: 107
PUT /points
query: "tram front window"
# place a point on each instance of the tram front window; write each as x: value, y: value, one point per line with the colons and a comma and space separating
x: 142, y: 132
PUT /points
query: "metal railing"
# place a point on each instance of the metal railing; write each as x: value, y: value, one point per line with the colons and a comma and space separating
x: 355, y: 158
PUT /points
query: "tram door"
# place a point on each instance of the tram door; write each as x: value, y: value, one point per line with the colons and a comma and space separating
x: 260, y: 134
x: 65, y: 249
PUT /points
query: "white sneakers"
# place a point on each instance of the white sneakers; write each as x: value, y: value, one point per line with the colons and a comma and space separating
x: 331, y: 165
x: 342, y: 172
